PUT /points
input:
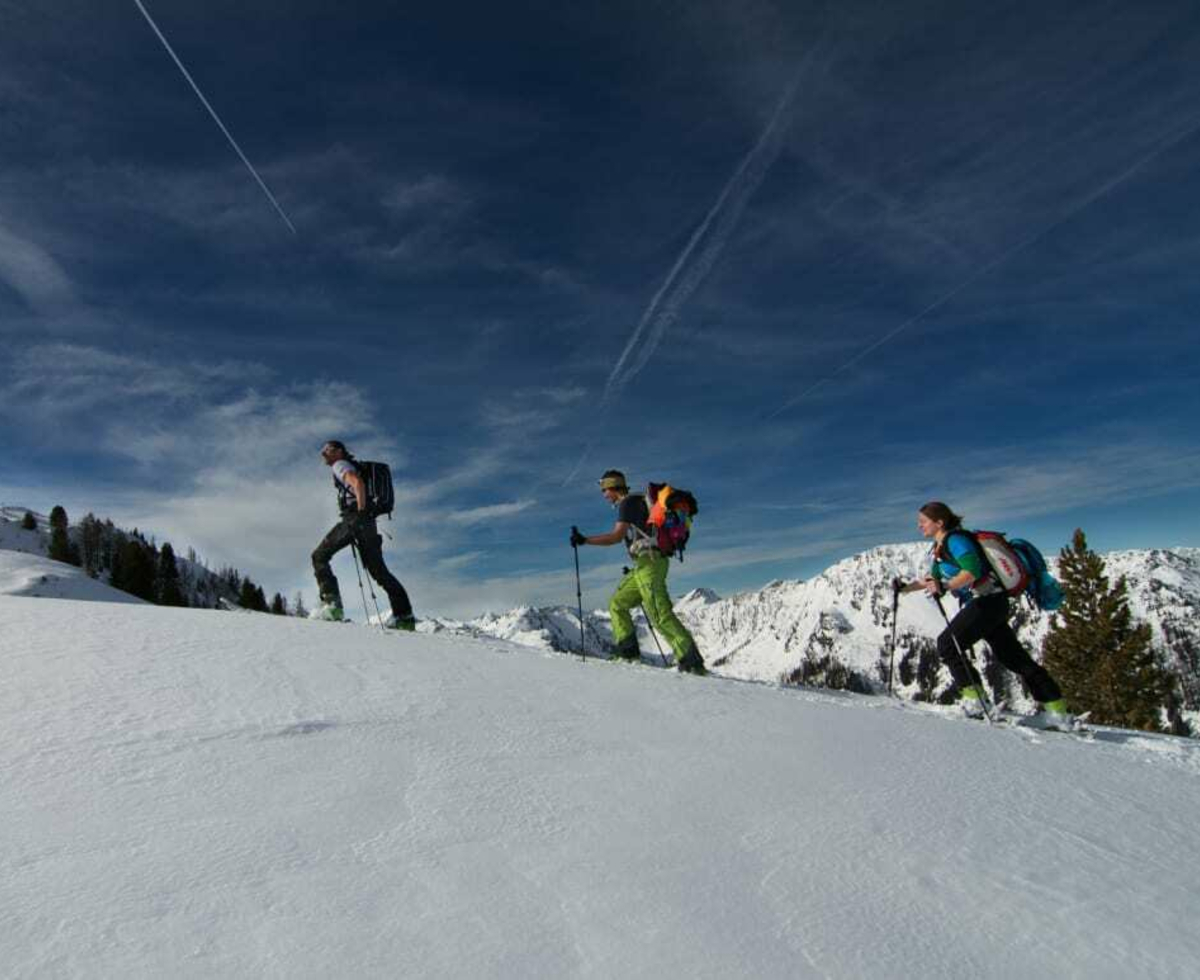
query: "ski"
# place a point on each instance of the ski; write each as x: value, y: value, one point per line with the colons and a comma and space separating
x: 1079, y: 727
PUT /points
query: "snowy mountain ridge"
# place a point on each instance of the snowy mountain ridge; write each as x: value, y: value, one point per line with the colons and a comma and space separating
x: 846, y: 613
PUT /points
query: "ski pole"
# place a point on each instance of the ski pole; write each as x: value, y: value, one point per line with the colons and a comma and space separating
x: 579, y: 596
x: 897, y: 585
x: 374, y: 597
x: 655, y: 635
x: 361, y: 591
x: 968, y: 666
x: 358, y: 571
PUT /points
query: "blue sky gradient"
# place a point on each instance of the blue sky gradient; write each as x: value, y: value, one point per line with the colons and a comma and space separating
x: 817, y: 262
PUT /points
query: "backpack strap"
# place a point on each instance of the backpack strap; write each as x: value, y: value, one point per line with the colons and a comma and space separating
x: 989, y: 570
x: 345, y: 495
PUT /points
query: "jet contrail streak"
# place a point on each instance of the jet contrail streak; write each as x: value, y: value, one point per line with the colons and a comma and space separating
x: 686, y: 275
x: 217, y: 119
x: 983, y: 270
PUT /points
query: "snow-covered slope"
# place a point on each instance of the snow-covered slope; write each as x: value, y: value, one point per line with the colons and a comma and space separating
x: 13, y: 537
x: 199, y: 584
x: 192, y: 794
x: 32, y: 575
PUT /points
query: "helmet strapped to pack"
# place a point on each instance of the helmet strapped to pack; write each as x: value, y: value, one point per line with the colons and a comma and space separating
x: 671, y: 513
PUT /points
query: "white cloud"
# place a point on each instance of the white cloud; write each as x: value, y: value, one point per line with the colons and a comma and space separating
x: 433, y: 192
x: 477, y: 515
x: 563, y: 395
x: 456, y: 563
x: 34, y: 274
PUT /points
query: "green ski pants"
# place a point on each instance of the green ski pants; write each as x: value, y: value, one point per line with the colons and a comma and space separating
x: 646, y: 585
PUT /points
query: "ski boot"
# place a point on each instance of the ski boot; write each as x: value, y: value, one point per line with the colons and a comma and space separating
x: 627, y: 650
x: 330, y: 612
x: 1053, y: 714
x: 405, y: 624
x: 691, y: 662
x: 972, y: 703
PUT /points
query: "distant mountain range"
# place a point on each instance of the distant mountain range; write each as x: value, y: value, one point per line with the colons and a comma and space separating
x: 835, y: 628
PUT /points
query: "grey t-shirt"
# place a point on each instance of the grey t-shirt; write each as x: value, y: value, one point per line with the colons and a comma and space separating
x: 347, y: 501
x: 633, y: 510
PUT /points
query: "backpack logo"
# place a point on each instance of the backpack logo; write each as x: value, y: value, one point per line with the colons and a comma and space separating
x: 1020, y: 569
x: 1006, y: 566
x: 671, y: 513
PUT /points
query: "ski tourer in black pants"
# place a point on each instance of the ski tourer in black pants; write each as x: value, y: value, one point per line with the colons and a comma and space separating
x: 986, y: 618
x: 358, y: 529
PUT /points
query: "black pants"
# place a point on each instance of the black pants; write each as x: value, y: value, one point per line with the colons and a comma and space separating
x: 986, y: 619
x: 360, y: 531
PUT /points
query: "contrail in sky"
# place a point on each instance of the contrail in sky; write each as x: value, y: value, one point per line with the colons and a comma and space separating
x: 217, y: 119
x: 687, y: 273
x: 987, y: 267
x: 700, y: 254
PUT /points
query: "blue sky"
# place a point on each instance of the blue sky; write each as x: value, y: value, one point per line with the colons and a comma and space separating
x: 817, y: 262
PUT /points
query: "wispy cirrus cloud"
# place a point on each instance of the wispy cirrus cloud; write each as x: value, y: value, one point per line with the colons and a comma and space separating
x: 491, y: 512
x: 34, y: 274
x: 703, y: 248
x: 56, y: 383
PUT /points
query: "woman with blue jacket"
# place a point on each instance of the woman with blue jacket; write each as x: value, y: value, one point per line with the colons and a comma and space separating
x: 959, y: 566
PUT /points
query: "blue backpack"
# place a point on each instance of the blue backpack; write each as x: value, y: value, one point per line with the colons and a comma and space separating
x: 1019, y: 568
x: 1043, y: 591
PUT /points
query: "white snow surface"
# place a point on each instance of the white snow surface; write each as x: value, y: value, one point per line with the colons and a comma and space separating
x: 189, y: 793
x: 35, y: 576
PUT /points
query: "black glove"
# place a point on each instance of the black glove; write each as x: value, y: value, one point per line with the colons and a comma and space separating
x: 577, y: 538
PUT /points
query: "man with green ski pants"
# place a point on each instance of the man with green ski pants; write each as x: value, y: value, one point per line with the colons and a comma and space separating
x: 645, y: 584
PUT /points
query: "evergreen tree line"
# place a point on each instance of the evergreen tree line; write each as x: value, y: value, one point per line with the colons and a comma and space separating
x: 137, y: 565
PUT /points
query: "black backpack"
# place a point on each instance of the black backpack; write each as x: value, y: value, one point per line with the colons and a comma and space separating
x: 381, y: 497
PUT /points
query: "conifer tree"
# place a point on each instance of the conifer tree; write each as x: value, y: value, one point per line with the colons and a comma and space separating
x: 91, y: 538
x: 110, y: 546
x: 169, y: 591
x: 251, y: 596
x: 298, y: 607
x: 1104, y: 662
x: 134, y: 569
x: 60, y: 544
x: 29, y: 522
x: 279, y: 605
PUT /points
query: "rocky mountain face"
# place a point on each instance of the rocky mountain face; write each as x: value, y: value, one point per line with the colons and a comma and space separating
x: 835, y: 629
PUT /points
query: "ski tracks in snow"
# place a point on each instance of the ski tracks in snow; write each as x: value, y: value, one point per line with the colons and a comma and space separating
x: 227, y: 795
